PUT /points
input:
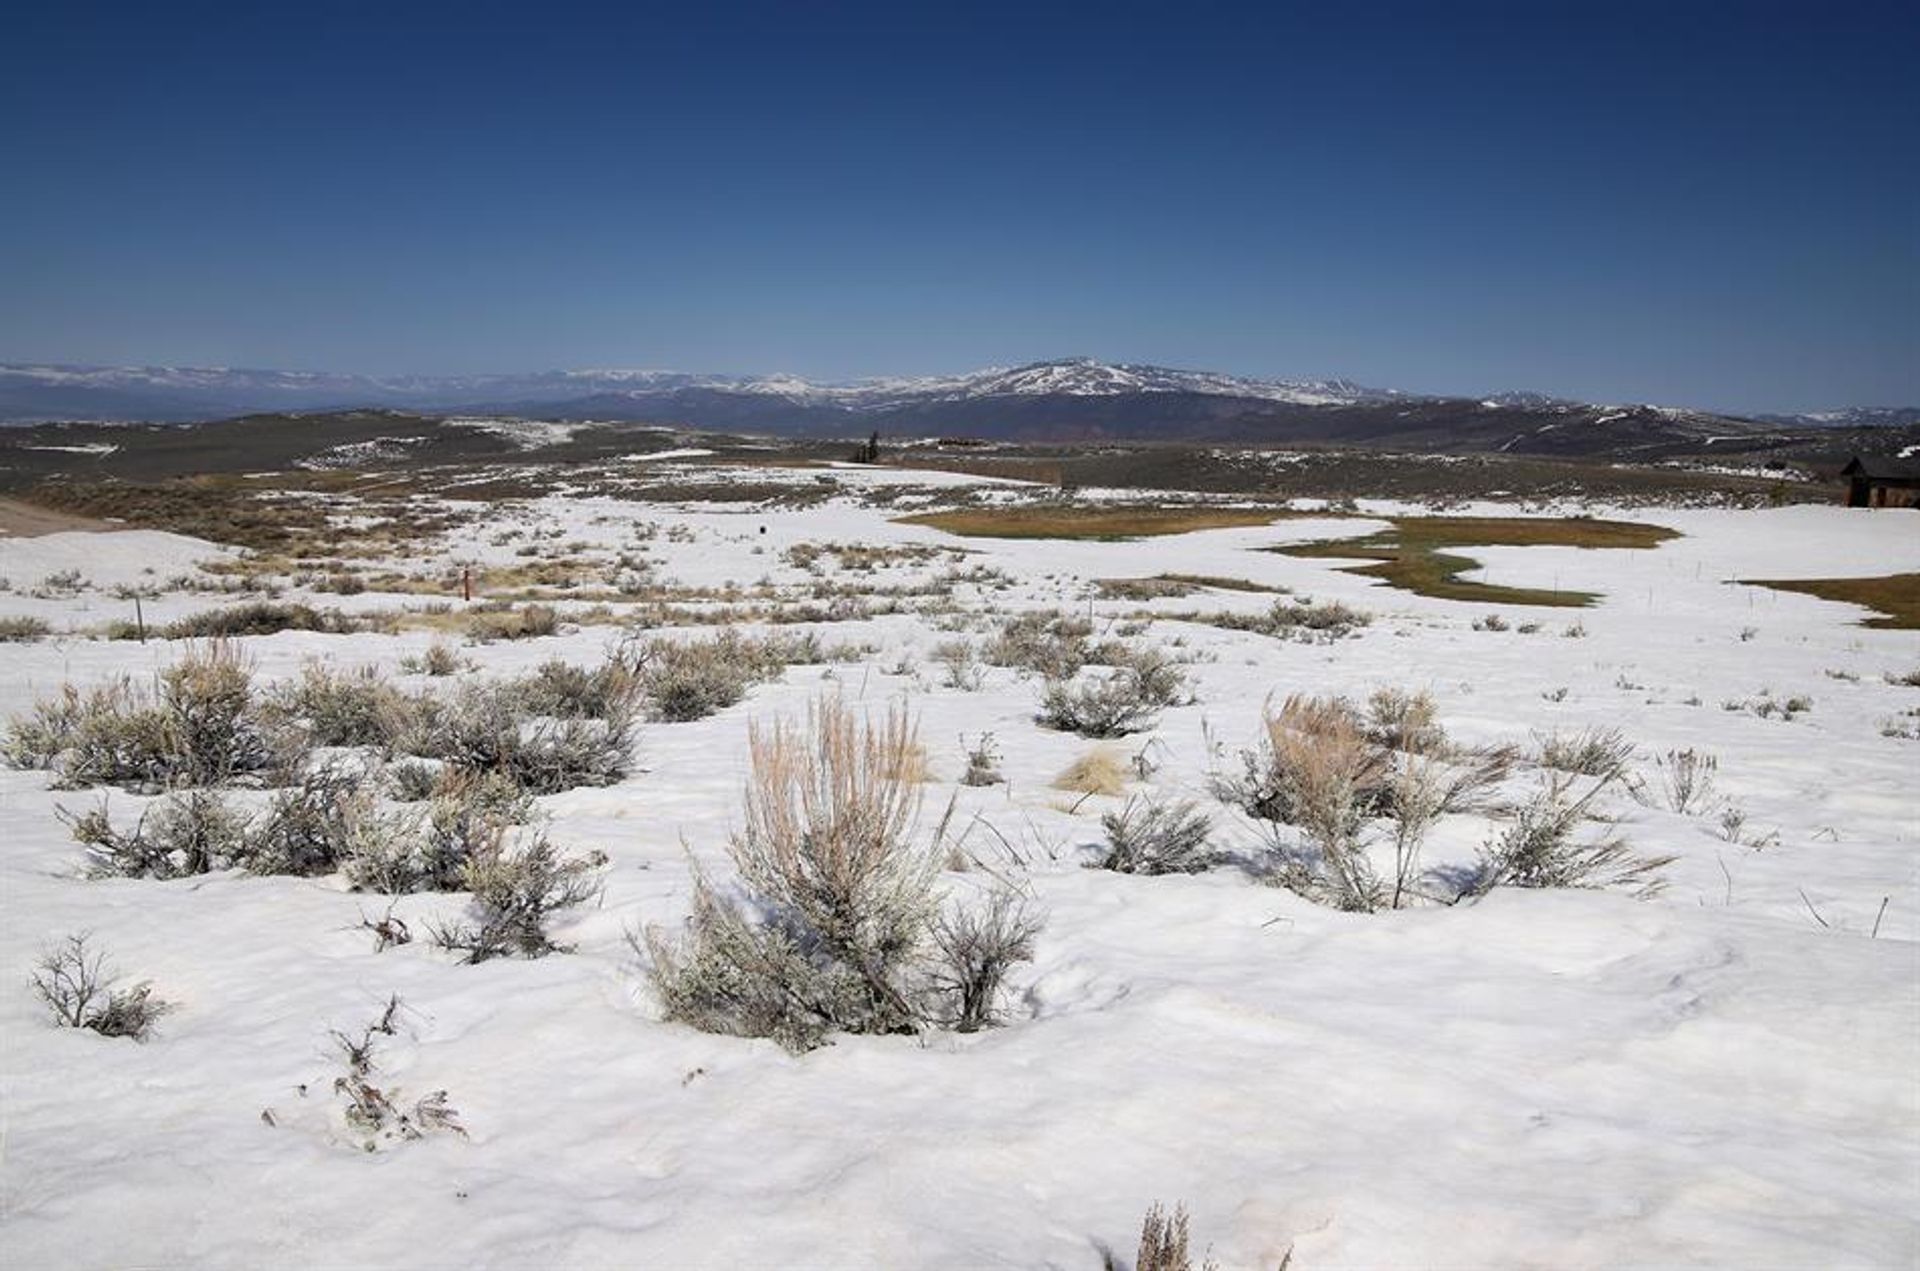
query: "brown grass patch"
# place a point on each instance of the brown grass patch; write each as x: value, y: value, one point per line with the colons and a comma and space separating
x: 1093, y: 523
x: 1412, y: 555
x: 1138, y: 589
x: 487, y: 620
x: 1895, y: 597
x: 1175, y: 585
x: 214, y: 509
x: 274, y: 519
x: 1099, y: 771
x: 910, y: 765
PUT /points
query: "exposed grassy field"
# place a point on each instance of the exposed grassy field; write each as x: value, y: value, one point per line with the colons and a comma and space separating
x: 250, y: 512
x: 1093, y: 523
x: 1895, y: 596
x: 217, y: 509
x: 1413, y: 554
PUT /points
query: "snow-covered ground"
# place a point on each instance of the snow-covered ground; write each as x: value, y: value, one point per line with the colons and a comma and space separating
x: 1724, y: 1075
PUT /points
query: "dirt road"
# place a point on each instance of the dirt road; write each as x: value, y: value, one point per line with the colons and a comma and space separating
x: 24, y: 520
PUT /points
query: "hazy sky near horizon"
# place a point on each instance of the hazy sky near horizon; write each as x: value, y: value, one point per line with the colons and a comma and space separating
x: 1714, y: 205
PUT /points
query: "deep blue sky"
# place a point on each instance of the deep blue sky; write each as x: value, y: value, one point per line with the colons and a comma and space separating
x: 1715, y: 205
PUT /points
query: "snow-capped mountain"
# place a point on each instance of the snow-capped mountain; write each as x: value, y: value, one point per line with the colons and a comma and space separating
x: 1522, y: 400
x: 1085, y: 377
x: 1851, y: 417
x: 1073, y: 399
x: 168, y: 392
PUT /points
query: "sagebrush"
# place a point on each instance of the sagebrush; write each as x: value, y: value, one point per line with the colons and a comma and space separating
x: 75, y: 983
x: 840, y: 928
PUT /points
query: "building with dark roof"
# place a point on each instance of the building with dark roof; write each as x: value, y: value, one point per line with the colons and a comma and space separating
x: 1882, y: 483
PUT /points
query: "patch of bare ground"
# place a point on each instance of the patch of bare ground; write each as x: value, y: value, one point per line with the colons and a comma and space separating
x: 287, y: 514
x: 26, y: 520
x: 1895, y: 597
x: 1412, y: 555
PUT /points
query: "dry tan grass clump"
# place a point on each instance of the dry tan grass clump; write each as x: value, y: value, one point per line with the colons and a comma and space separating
x: 1163, y: 1243
x: 1318, y: 769
x: 913, y: 765
x: 489, y: 622
x: 829, y: 806
x: 1100, y: 771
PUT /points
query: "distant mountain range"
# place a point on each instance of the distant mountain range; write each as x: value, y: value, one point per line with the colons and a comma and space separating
x: 161, y: 393
x: 1074, y: 399
x: 1852, y: 417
